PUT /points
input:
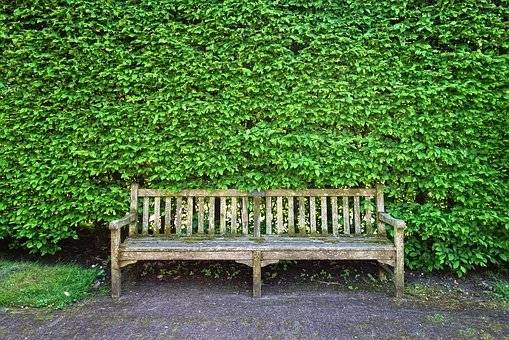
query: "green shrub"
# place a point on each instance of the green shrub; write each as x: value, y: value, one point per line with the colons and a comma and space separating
x: 258, y: 94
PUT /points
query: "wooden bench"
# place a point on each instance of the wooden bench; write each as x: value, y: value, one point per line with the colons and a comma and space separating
x: 256, y: 228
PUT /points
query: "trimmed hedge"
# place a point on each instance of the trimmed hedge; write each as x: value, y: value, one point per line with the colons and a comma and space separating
x: 258, y: 94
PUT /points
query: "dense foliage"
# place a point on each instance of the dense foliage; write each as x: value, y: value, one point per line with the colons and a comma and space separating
x: 96, y: 94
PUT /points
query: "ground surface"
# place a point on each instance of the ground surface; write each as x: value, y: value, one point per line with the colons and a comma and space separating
x: 307, y: 299
x: 209, y: 308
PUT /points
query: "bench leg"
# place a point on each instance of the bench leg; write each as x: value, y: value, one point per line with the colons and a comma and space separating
x: 257, y: 274
x: 399, y: 269
x: 115, y: 281
x: 115, y: 264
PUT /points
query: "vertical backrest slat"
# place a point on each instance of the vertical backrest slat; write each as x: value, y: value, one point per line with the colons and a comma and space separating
x: 369, y: 225
x: 190, y: 209
x: 133, y: 209
x: 222, y: 215
x: 268, y: 215
x: 245, y: 217
x: 291, y: 217
x: 357, y: 214
x: 380, y: 208
x: 312, y: 215
x: 212, y: 215
x: 334, y: 207
x: 167, y: 216
x: 323, y: 207
x: 201, y: 215
x: 346, y: 216
x: 279, y: 214
x: 146, y: 207
x: 178, y: 215
x: 256, y: 216
x: 157, y: 216
x: 302, y: 215
x: 234, y: 215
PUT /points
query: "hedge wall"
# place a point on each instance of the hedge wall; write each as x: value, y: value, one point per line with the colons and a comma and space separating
x: 96, y: 94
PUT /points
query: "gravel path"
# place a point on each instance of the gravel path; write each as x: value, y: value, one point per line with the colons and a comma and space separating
x: 193, y: 308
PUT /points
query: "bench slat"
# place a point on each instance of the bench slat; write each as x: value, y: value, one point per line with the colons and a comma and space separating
x: 291, y: 217
x: 279, y: 214
x: 190, y: 209
x: 256, y: 216
x: 357, y: 215
x: 178, y: 215
x: 201, y: 215
x: 245, y: 217
x: 222, y: 215
x: 369, y: 225
x: 274, y: 193
x: 133, y: 209
x: 212, y: 215
x: 268, y: 215
x: 346, y: 217
x: 334, y: 207
x: 302, y: 215
x: 167, y: 216
x: 312, y: 215
x: 157, y: 216
x: 380, y: 208
x: 234, y: 216
x: 323, y: 207
x: 146, y: 202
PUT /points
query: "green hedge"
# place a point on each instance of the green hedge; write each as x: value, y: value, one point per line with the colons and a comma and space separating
x: 96, y: 94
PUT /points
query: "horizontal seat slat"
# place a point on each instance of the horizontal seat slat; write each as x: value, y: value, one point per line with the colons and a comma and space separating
x: 271, y: 193
x: 269, y: 244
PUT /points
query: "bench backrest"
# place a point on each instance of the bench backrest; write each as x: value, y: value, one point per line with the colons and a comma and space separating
x: 314, y: 212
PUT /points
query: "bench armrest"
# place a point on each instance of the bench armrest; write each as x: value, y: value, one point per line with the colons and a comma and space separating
x: 117, y: 224
x: 386, y: 218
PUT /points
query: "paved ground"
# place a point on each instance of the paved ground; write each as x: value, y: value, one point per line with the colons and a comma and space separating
x: 206, y: 308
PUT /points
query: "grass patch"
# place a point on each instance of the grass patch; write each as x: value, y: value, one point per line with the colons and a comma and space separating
x: 501, y: 290
x: 31, y: 284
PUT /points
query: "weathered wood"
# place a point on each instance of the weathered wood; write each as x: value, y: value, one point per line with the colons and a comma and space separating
x: 357, y: 215
x: 167, y: 216
x: 323, y: 208
x: 334, y: 207
x: 133, y: 209
x: 380, y: 209
x: 222, y: 216
x: 346, y: 216
x: 144, y: 230
x: 312, y: 215
x: 115, y: 264
x: 399, y: 269
x: 279, y: 214
x: 274, y: 193
x: 257, y: 251
x: 212, y: 215
x: 190, y: 210
x: 234, y: 215
x: 245, y: 217
x: 368, y: 217
x: 386, y: 218
x: 257, y: 274
x: 117, y: 224
x: 291, y: 219
x: 201, y: 215
x: 157, y: 216
x: 256, y: 216
x: 178, y: 215
x: 268, y: 215
x: 302, y: 215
